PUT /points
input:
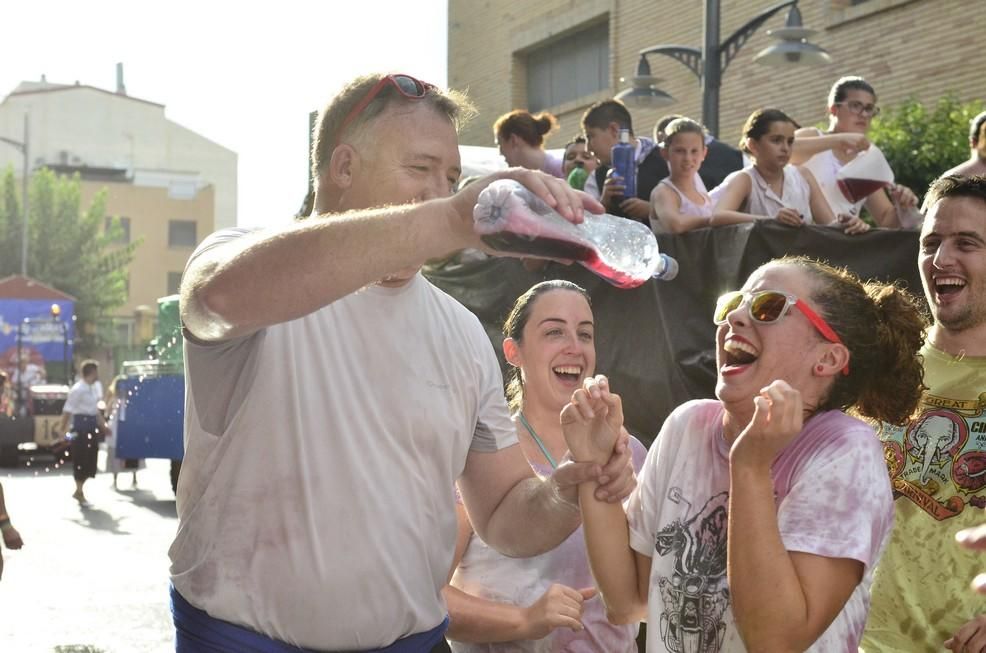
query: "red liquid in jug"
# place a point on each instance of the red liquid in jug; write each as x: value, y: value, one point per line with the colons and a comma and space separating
x: 556, y: 248
x: 858, y: 189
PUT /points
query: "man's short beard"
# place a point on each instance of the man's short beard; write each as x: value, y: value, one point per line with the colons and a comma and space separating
x: 967, y: 319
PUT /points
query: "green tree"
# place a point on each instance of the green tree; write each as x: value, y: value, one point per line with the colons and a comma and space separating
x: 68, y: 248
x: 11, y: 220
x: 920, y: 142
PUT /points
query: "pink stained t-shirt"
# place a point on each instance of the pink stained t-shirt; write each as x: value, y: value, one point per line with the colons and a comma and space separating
x: 833, y: 499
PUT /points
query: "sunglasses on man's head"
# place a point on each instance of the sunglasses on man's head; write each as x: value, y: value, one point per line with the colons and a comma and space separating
x: 409, y: 87
x: 769, y: 306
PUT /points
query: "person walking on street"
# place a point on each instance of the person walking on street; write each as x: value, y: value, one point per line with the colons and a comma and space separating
x: 88, y: 425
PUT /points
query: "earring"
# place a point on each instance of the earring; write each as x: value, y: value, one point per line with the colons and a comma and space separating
x: 819, y: 369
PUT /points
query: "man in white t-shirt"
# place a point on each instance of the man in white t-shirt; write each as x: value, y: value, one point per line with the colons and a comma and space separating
x: 88, y: 425
x: 334, y: 397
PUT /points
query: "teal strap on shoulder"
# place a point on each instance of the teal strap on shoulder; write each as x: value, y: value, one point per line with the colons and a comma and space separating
x: 537, y: 440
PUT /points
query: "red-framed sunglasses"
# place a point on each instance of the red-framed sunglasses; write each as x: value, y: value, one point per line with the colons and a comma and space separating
x: 768, y: 306
x: 409, y: 87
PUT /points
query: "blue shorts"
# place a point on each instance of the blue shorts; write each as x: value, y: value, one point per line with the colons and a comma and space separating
x: 197, y: 632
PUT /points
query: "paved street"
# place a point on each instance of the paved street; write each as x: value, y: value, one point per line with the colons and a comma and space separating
x: 88, y: 580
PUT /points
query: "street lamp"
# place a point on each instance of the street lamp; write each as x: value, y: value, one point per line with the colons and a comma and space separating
x: 709, y: 63
x: 24, y: 147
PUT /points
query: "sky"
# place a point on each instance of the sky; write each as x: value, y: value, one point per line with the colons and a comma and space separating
x: 243, y: 75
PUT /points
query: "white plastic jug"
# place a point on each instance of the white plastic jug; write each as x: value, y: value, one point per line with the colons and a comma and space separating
x: 866, y: 173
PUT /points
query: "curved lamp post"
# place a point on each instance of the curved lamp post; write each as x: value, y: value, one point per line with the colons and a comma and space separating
x: 25, y: 149
x: 709, y: 63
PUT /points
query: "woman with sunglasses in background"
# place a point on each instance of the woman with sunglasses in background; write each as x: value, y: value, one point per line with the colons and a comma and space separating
x: 851, y: 108
x: 544, y: 603
x: 520, y: 136
x: 800, y: 486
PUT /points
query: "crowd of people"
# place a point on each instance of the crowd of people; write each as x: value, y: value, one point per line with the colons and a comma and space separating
x: 398, y: 497
x: 686, y: 179
x: 396, y: 500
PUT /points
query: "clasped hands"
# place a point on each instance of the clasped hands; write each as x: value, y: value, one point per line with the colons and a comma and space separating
x: 608, y: 461
x: 593, y: 424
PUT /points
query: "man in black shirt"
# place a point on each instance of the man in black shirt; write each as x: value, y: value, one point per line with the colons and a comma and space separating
x: 602, y: 123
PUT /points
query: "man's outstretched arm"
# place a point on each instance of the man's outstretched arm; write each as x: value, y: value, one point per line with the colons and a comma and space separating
x: 521, y: 515
x: 281, y: 274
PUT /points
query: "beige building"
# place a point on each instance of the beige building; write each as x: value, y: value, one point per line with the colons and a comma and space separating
x: 563, y: 55
x: 169, y: 185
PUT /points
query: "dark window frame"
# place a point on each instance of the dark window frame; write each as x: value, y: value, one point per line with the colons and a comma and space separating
x: 124, y: 225
x: 175, y: 236
x: 569, y: 68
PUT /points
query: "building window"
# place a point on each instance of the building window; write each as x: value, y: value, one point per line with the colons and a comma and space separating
x: 174, y: 283
x: 123, y: 331
x: 124, y: 223
x: 567, y: 69
x: 181, y: 233
x: 844, y: 11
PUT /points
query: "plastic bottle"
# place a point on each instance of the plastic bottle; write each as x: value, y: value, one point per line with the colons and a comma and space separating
x: 624, y: 161
x: 510, y: 218
x: 578, y: 176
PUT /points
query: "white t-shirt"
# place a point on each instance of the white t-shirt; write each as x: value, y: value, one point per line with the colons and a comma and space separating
x: 316, y: 500
x: 833, y: 500
x: 83, y: 398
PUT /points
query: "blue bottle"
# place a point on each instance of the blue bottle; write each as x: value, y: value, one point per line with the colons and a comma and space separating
x: 624, y: 163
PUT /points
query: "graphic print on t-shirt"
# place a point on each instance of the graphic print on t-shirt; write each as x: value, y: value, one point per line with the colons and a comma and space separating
x: 938, y: 460
x: 696, y: 594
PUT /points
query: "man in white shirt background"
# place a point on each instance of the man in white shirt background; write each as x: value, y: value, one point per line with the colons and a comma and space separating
x: 88, y: 425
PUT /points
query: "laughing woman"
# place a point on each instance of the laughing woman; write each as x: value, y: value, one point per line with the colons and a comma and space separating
x: 544, y: 603
x: 800, y: 486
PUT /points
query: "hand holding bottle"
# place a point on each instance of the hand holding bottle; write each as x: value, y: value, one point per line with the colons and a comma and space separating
x: 613, y: 189
x: 509, y: 218
x: 555, y: 193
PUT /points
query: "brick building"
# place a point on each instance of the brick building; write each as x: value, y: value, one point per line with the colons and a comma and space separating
x: 513, y: 54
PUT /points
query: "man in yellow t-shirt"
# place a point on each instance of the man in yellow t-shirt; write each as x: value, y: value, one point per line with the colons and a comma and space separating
x: 937, y: 462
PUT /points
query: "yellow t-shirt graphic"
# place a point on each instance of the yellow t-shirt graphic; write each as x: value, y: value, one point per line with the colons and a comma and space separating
x: 937, y: 465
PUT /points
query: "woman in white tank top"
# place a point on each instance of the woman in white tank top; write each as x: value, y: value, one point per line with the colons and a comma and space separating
x: 545, y: 603
x: 772, y: 188
x: 680, y: 202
